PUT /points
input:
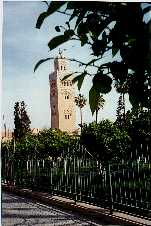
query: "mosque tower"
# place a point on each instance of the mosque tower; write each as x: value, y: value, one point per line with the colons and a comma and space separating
x: 62, y: 93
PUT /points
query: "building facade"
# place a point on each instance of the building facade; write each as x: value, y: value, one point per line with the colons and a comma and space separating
x: 6, y: 135
x: 62, y: 93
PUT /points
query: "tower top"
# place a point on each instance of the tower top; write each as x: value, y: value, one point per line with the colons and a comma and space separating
x: 60, y: 56
x: 61, y: 64
x: 63, y: 115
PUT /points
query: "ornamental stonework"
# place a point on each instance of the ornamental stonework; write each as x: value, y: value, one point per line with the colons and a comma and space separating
x: 62, y: 92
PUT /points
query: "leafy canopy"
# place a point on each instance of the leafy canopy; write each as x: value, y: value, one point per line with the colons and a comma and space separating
x: 80, y: 101
x: 105, y: 141
x: 48, y: 143
x: 116, y: 28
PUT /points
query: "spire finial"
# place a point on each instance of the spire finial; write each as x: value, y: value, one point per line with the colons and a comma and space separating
x: 60, y: 52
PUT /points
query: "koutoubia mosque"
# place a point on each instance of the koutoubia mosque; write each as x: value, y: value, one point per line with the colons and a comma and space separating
x: 62, y: 104
x: 62, y: 94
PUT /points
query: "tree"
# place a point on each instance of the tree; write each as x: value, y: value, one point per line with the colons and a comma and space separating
x: 49, y: 143
x: 100, y: 104
x: 105, y: 27
x: 120, y: 120
x: 105, y: 141
x: 21, y: 120
x: 53, y: 142
x: 80, y: 101
x: 7, y: 158
x: 27, y: 147
x: 121, y: 88
x: 138, y: 126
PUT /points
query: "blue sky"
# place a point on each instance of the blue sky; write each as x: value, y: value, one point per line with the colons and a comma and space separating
x: 23, y: 46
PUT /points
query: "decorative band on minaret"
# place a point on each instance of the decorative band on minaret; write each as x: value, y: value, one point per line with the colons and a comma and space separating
x: 62, y: 93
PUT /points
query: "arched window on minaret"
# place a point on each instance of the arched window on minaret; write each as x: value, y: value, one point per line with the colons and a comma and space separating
x: 63, y: 112
x: 66, y: 96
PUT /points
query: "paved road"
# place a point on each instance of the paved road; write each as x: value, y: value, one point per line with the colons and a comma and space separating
x: 20, y: 211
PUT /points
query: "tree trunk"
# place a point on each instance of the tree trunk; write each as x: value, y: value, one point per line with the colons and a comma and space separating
x: 96, y: 116
x: 124, y: 107
x: 5, y: 134
x: 81, y: 116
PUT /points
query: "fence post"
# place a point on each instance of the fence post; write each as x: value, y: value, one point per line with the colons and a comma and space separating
x: 75, y: 180
x: 111, y: 191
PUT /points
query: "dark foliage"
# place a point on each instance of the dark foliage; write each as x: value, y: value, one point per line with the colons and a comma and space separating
x: 120, y: 112
x: 105, y: 141
x: 21, y: 120
x: 109, y: 27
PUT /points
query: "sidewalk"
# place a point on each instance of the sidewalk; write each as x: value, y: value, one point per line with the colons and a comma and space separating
x: 99, y: 213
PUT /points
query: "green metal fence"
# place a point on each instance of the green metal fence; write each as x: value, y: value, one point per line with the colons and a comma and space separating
x: 131, y: 186
x: 124, y: 186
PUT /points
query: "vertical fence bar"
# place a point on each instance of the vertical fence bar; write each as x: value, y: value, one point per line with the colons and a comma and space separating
x: 111, y: 191
x: 127, y: 183
x: 75, y: 181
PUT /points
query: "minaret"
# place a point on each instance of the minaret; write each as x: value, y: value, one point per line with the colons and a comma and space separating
x: 62, y: 95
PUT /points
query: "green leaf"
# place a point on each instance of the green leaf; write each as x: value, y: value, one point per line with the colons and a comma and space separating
x: 82, y: 29
x: 41, y: 19
x: 133, y: 100
x: 114, y: 51
x: 46, y: 3
x: 69, y: 33
x: 99, y: 47
x: 79, y: 79
x: 67, y: 76
x: 40, y: 62
x: 102, y: 83
x: 71, y: 5
x: 119, y: 70
x: 60, y: 39
x: 131, y: 41
x: 74, y: 14
x: 147, y: 9
x: 57, y: 28
x: 91, y: 62
x: 53, y: 7
x: 84, y: 40
x: 93, y: 99
x: 80, y: 17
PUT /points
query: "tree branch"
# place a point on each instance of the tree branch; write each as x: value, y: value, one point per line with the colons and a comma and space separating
x: 68, y: 14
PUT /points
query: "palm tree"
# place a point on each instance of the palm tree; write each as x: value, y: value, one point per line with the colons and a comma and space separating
x: 80, y: 101
x: 100, y: 105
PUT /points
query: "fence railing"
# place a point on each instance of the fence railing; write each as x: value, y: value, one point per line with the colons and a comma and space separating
x: 131, y: 186
x: 124, y: 186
